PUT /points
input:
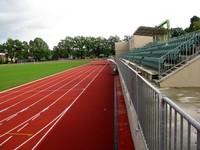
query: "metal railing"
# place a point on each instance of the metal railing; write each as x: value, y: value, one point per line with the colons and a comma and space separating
x: 178, y: 56
x: 164, y: 125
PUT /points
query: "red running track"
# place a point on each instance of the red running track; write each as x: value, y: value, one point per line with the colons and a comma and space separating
x: 61, y: 105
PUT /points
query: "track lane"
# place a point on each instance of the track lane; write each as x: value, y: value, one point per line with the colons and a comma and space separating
x: 66, y: 100
x: 92, y: 126
x: 19, y: 93
x: 49, y: 97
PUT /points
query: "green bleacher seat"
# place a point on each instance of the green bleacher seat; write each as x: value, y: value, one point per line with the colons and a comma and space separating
x: 153, y: 62
x: 156, y: 54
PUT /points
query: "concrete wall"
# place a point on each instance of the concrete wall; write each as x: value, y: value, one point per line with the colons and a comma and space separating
x: 186, y: 76
x: 120, y: 48
x: 139, y: 41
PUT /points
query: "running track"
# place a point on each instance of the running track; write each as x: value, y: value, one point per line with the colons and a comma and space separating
x: 31, y: 114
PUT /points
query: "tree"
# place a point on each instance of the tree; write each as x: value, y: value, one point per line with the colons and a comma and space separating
x: 112, y: 40
x: 81, y: 47
x: 176, y: 32
x: 194, y: 24
x: 39, y: 49
x: 10, y: 49
x: 197, y: 25
x: 126, y: 38
x: 1, y: 48
x: 1, y: 51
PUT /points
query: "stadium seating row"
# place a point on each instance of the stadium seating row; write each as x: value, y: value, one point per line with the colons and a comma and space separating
x: 156, y: 54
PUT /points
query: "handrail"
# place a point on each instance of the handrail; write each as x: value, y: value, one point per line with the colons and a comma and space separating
x: 185, y: 115
x: 163, y: 124
x: 176, y: 49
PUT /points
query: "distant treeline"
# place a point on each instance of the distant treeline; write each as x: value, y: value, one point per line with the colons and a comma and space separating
x: 78, y: 47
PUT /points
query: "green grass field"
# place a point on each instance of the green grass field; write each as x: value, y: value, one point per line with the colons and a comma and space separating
x: 17, y: 74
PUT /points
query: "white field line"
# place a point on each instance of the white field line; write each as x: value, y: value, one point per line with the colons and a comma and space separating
x: 36, y: 117
x: 12, y: 116
x: 59, y: 116
x: 5, y: 141
x: 44, y: 108
x: 46, y: 82
x: 4, y: 109
x: 39, y: 99
x: 42, y: 78
x: 22, y: 127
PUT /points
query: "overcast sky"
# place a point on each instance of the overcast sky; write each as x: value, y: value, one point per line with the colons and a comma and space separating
x: 53, y: 20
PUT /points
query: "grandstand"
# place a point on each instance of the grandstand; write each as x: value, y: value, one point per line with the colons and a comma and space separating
x: 166, y: 61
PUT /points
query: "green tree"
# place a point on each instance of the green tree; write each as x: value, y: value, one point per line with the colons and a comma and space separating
x: 176, y: 32
x: 81, y: 47
x: 1, y: 48
x: 197, y: 25
x: 10, y: 49
x: 126, y: 38
x: 194, y: 24
x: 25, y: 50
x: 39, y: 49
x: 112, y: 40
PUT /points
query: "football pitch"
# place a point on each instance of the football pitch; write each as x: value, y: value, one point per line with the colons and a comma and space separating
x: 17, y: 74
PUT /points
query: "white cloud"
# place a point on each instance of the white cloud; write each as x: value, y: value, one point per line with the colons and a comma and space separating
x: 52, y: 20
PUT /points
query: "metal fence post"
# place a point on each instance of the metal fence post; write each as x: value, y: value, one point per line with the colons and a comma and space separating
x: 162, y: 124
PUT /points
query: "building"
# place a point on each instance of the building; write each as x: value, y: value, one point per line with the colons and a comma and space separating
x: 2, y: 57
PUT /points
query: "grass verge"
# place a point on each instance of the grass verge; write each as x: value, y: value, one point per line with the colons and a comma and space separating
x: 17, y: 74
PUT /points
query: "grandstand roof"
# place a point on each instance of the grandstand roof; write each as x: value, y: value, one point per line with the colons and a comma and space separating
x: 149, y: 31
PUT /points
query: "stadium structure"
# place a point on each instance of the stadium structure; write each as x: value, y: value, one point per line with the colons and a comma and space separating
x: 147, y: 62
x: 169, y: 62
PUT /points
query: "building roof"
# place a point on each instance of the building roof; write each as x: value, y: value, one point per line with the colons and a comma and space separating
x: 149, y: 31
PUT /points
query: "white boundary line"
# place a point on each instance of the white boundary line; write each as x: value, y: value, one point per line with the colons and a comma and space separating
x: 6, y: 140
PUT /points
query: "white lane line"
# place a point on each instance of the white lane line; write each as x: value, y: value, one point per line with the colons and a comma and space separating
x: 44, y: 96
x: 22, y: 127
x: 12, y: 116
x: 57, y: 118
x: 6, y: 141
x: 40, y: 91
x: 3, y: 110
x: 45, y: 108
x: 23, y: 110
x: 35, y: 117
x: 57, y: 79
x: 64, y: 112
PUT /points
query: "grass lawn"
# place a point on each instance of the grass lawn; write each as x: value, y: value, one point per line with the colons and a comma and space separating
x: 17, y: 74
